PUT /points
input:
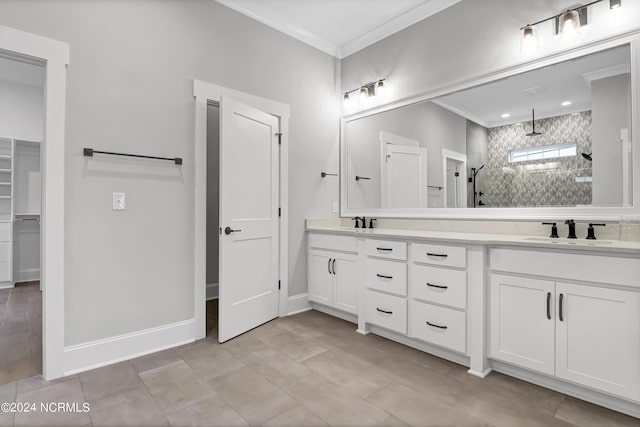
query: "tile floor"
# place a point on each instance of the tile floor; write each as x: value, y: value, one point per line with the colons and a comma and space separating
x: 304, y: 370
x: 20, y: 332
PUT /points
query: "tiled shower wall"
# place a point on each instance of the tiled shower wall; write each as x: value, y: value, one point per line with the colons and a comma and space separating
x: 516, y: 185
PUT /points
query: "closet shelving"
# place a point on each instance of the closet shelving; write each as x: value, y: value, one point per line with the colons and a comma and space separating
x: 19, y: 211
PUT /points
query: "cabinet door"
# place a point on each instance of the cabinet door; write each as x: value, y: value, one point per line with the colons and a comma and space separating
x: 320, y: 277
x: 522, y: 322
x: 346, y: 282
x: 598, y: 338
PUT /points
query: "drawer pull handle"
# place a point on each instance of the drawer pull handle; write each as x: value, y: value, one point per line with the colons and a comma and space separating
x: 384, y: 311
x: 385, y: 249
x: 436, y: 326
x: 333, y: 267
x: 437, y: 286
x: 382, y: 276
x: 329, y: 265
x: 437, y: 255
x: 560, y: 308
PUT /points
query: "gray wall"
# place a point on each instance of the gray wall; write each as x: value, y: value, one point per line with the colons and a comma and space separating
x: 433, y: 126
x: 213, y: 191
x: 611, y: 104
x: 129, y: 89
x: 21, y: 111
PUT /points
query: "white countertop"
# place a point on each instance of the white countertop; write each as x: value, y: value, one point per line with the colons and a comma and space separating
x: 617, y: 246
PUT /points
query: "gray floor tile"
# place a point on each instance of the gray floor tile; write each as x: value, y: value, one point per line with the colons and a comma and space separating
x: 133, y: 407
x: 175, y: 386
x: 252, y: 396
x: 296, y: 417
x: 67, y: 392
x: 7, y: 394
x: 291, y: 345
x: 38, y: 381
x: 155, y: 360
x: 347, y: 374
x: 585, y: 414
x: 414, y: 408
x: 108, y: 380
x: 334, y: 405
x: 211, y: 362
x: 212, y: 412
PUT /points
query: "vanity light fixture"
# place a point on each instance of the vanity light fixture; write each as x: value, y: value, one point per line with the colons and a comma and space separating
x: 566, y: 103
x: 367, y: 90
x: 568, y: 24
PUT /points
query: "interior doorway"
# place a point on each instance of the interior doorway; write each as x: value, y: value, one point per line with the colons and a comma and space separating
x: 22, y: 112
x: 213, y: 222
x: 251, y: 227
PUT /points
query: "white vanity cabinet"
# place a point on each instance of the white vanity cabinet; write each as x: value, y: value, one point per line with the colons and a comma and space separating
x: 587, y: 332
x: 333, y: 271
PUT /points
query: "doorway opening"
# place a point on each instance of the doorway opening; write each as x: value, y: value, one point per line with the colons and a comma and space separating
x: 249, y: 136
x: 454, y: 171
x: 213, y: 210
x: 22, y: 86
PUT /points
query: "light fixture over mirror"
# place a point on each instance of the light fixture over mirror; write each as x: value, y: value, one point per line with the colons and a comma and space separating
x: 567, y: 24
x: 366, y: 91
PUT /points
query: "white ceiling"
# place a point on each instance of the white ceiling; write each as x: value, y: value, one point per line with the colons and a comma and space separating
x: 544, y: 89
x: 339, y: 27
x: 16, y: 71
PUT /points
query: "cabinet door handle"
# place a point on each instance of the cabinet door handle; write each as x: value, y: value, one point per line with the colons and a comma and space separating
x: 431, y: 285
x: 384, y: 311
x: 333, y: 266
x: 382, y: 276
x: 549, y: 305
x: 560, y: 308
x: 329, y: 265
x: 436, y: 326
x: 385, y: 249
x: 437, y: 255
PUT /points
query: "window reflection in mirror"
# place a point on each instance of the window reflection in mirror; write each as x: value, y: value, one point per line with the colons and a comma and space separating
x: 480, y: 147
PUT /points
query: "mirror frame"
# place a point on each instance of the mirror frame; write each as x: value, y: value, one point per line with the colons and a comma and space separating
x: 533, y: 213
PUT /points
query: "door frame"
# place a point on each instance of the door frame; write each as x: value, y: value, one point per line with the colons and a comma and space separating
x: 458, y: 157
x: 55, y: 56
x: 203, y: 93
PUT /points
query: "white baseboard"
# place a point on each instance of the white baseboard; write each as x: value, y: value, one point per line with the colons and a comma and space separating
x: 6, y: 285
x: 212, y: 291
x: 94, y: 354
x: 298, y: 303
x: 26, y: 275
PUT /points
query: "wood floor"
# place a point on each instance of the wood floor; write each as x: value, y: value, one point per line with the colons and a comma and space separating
x: 20, y: 332
x: 304, y: 370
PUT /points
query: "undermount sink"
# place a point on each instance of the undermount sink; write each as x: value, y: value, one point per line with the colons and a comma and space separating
x: 570, y: 241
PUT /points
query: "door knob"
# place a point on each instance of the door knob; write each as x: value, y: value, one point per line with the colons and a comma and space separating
x: 229, y: 230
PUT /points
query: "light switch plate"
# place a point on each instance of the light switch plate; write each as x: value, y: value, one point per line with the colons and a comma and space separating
x: 119, y: 201
x: 335, y: 207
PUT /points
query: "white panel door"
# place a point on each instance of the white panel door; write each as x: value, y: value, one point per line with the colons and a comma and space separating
x: 598, y: 338
x: 404, y: 177
x: 522, y: 322
x: 345, y: 278
x: 248, y: 218
x: 320, y: 277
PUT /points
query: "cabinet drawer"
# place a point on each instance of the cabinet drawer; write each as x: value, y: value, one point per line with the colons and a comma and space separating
x: 386, y: 249
x: 387, y: 276
x: 439, y: 285
x: 440, y: 326
x: 5, y: 232
x: 450, y: 256
x: 332, y: 242
x: 387, y: 311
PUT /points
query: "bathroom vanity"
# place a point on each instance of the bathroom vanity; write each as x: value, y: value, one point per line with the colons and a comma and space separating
x: 562, y: 314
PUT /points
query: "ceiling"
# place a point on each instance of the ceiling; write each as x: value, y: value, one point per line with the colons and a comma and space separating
x: 544, y: 89
x: 339, y: 27
x: 16, y: 71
